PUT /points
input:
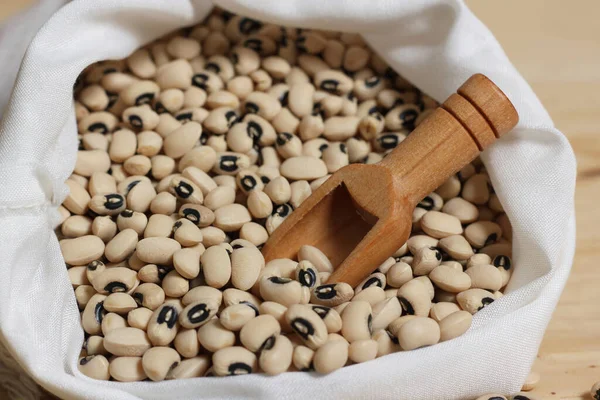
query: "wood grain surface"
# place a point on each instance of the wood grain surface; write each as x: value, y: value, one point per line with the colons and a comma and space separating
x: 555, y: 45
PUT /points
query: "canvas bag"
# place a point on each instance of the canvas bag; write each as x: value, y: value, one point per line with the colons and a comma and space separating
x: 435, y: 44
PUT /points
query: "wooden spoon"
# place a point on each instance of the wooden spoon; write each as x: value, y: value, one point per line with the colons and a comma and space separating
x: 363, y: 213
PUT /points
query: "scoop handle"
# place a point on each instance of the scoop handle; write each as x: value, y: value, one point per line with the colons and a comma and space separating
x: 451, y: 137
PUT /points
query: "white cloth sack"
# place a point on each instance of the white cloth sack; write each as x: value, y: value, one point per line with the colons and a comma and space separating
x: 436, y: 44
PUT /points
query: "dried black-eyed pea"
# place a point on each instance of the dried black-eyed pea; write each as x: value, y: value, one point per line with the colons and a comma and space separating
x: 302, y: 358
x: 370, y: 126
x: 426, y: 259
x: 127, y: 342
x: 127, y: 369
x: 212, y: 236
x: 141, y: 64
x: 208, y: 81
x: 163, y: 326
x: 331, y: 356
x: 121, y: 246
x: 216, y: 266
x: 176, y: 74
x: 285, y: 291
x: 175, y: 285
x: 191, y: 367
x: 388, y: 141
x: 260, y: 332
x: 213, y: 336
x: 449, y: 189
x: 482, y: 233
x: 333, y: 81
x: 215, y: 43
x: 418, y: 332
x: 198, y: 313
x: 375, y: 279
x: 399, y: 274
x: 141, y: 117
x: 277, y: 357
x: 386, y: 342
x: 94, y: 366
x: 442, y: 309
x: 414, y: 298
x: 76, y: 225
x: 140, y: 196
x: 186, y: 191
x: 288, y: 145
x: 335, y: 157
x: 332, y: 294
x: 139, y: 318
x: 193, y: 99
x: 123, y: 145
x: 201, y: 293
x: 159, y: 362
x: 385, y: 312
x: 474, y: 300
x: 486, y: 277
x: 478, y: 259
x: 307, y: 274
x: 113, y: 280
x: 362, y: 350
x: 428, y: 285
x: 307, y: 324
x: 450, y: 279
x: 94, y: 141
x: 157, y: 250
x: 188, y: 235
x: 356, y: 321
x: 440, y: 225
x: 128, y: 219
x: 83, y: 294
x: 199, y: 215
x: 259, y: 204
x: 401, y: 117
x: 454, y: 325
x: 368, y: 88
x: 159, y: 225
x: 112, y: 321
x: 77, y: 276
x: 120, y: 303
x: 90, y: 161
x: 476, y: 189
x: 246, y: 264
x: 186, y: 343
x: 182, y: 139
x: 356, y: 58
x: 372, y: 295
x: 170, y: 100
x: 235, y: 317
x: 230, y: 163
x: 234, y: 360
x: 503, y: 263
x: 330, y: 317
x: 94, y: 97
x: 99, y: 122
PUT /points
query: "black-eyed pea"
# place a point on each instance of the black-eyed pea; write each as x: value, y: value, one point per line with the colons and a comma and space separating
x: 186, y: 191
x: 442, y: 309
x: 114, y: 280
x: 176, y: 74
x: 276, y: 358
x: 485, y: 277
x: 454, y: 325
x: 235, y: 317
x: 203, y: 292
x: 159, y: 225
x: 330, y: 317
x: 307, y: 274
x: 159, y: 53
x: 140, y: 196
x: 194, y: 98
x: 191, y: 367
x: 206, y: 80
x: 94, y: 366
x: 454, y: 264
x: 428, y: 285
x: 187, y: 261
x: 163, y: 326
x: 141, y: 64
x: 449, y: 189
x: 335, y: 157
x: 216, y: 266
x: 259, y: 204
x: 363, y: 350
x: 387, y: 343
x: 401, y: 117
x: 230, y: 163
x: 139, y: 318
x: 104, y: 228
x: 280, y: 213
x: 368, y: 88
x: 90, y: 161
x: 99, y: 122
x: 186, y: 343
x: 82, y: 250
x: 414, y: 298
x: 478, y: 259
x: 175, y: 285
x: 241, y: 86
x: 94, y: 97
x: 231, y: 217
x: 398, y: 274
x: 80, y: 111
x: 450, y: 280
x: 213, y: 336
x: 307, y: 324
x: 246, y: 264
x: 120, y: 303
x: 416, y: 242
x: 158, y: 362
x: 260, y: 332
x: 111, y: 322
x: 182, y: 139
x: 370, y: 126
x: 503, y: 263
x: 197, y: 214
x: 316, y: 257
x: 331, y: 356
x: 375, y: 279
x: 482, y: 233
x: 426, y: 259
x: 127, y: 369
x: 83, y: 294
x: 76, y: 226
x: 356, y: 58
x: 240, y: 138
x: 502, y: 247
x: 212, y: 236
x: 302, y: 358
x: 439, y: 225
x: 215, y: 43
x: 388, y: 141
x: 245, y: 60
x: 254, y: 233
x: 157, y: 250
x: 127, y: 342
x: 372, y: 295
x: 395, y: 326
x: 385, y: 312
x: 234, y: 360
x: 476, y: 189
x: 357, y: 320
x: 372, y: 158
x: 94, y: 141
x: 340, y: 128
x: 77, y: 276
x: 333, y: 81
x: 282, y: 290
x: 505, y: 225
x: 474, y: 300
x: 198, y: 313
x: 128, y: 219
x: 418, y: 332
x: 121, y: 246
x: 141, y: 117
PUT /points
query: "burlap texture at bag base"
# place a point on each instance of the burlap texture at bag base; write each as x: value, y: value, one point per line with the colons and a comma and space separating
x: 435, y: 44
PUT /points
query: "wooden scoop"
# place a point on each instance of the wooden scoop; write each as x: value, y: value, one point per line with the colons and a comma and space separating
x: 363, y: 213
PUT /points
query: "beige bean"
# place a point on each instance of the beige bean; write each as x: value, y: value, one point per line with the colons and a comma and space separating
x: 212, y: 236
x: 302, y: 358
x: 134, y: 220
x: 83, y: 294
x: 157, y: 250
x: 94, y: 345
x: 191, y: 367
x: 198, y: 313
x: 127, y: 369
x: 303, y: 168
x: 398, y: 274
x: 457, y: 247
x: 76, y: 226
x: 282, y: 290
x: 140, y: 196
x: 202, y: 292
x: 476, y: 189
x: 120, y: 303
x: 112, y: 321
x: 260, y: 332
x: 121, y: 246
x: 95, y: 367
x: 159, y: 362
x: 474, y: 300
x: 81, y: 250
x: 454, y: 325
x: 277, y: 357
x: 485, y: 277
x: 259, y: 204
x: 94, y: 141
x: 440, y: 225
x: 355, y: 58
x: 386, y: 343
x: 149, y: 295
x: 418, y: 332
x: 307, y: 324
x: 197, y: 214
x: 414, y: 298
x: 362, y: 350
x: 234, y: 360
x: 186, y: 343
x: 231, y: 217
x: 152, y: 273
x: 187, y: 262
x: 442, y: 309
x: 159, y: 225
x: 216, y: 266
x: 163, y: 327
x: 385, y: 312
x: 182, y: 140
x: 236, y: 316
x: 482, y: 233
x: 357, y: 319
x: 331, y: 356
x: 254, y: 233
x: 175, y: 285
x: 99, y: 122
x: 449, y: 189
x: 77, y: 276
x: 426, y: 259
x: 330, y: 317
x: 450, y: 280
x: 213, y: 336
x: 201, y: 157
x: 416, y: 242
x: 463, y: 210
x: 78, y: 199
x: 372, y: 295
x: 428, y: 285
x: 139, y: 318
x: 127, y: 342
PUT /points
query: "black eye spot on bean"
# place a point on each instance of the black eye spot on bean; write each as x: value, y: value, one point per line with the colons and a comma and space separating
x: 496, y: 398
x: 135, y: 121
x: 307, y: 277
x: 198, y: 313
x: 131, y: 186
x: 254, y: 44
x: 279, y: 280
x: 252, y: 108
x: 301, y: 43
x: 350, y: 96
x: 252, y: 306
x: 184, y: 117
x: 390, y: 73
x: 318, y: 110
x: 283, y: 138
x: 228, y: 163
x: 521, y: 397
x: 438, y: 253
x: 177, y: 225
x: 265, y: 179
x: 373, y: 110
x: 343, y: 148
x: 283, y: 210
x: 254, y: 130
x: 98, y: 127
x: 323, y: 147
x: 329, y: 85
x: 303, y: 328
x: 184, y: 190
x: 408, y: 118
x: 116, y: 287
x: 110, y: 70
x: 427, y: 203
x: 139, y: 298
x: 213, y: 66
x: 388, y: 142
x: 502, y: 262
x: 268, y: 343
x: 321, y: 311
x: 191, y: 215
x: 99, y: 311
x: 370, y: 323
x: 406, y: 306
x: 597, y: 395
x: 393, y: 338
x: 326, y: 292
x: 160, y: 108
x: 374, y: 281
x: 248, y: 182
x: 112, y: 99
x: 200, y: 80
x: 113, y: 201
x: 231, y: 118
x: 248, y: 26
x: 144, y: 98
x: 491, y: 239
x: 283, y: 98
x: 239, y: 368
x: 235, y: 58
x: 85, y: 360
x: 372, y: 81
x: 127, y: 213
x: 163, y: 271
x: 484, y: 302
x: 203, y: 137
x: 168, y: 316
x: 94, y: 265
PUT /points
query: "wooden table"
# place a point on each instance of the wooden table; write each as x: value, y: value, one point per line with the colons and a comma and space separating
x: 556, y: 46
